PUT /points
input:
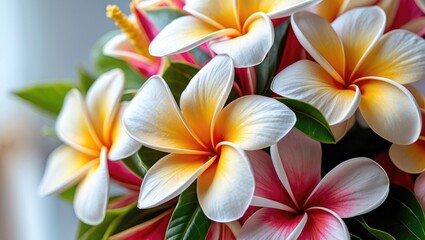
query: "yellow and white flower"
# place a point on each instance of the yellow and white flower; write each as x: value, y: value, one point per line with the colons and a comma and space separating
x: 206, y: 140
x: 357, y: 67
x: 93, y: 133
x: 241, y: 29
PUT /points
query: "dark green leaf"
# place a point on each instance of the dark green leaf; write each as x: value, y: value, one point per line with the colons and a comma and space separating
x: 133, y: 79
x: 178, y: 75
x: 267, y: 69
x: 379, y: 234
x: 134, y: 163
x: 400, y: 215
x: 188, y: 220
x: 48, y: 96
x: 85, y: 79
x: 310, y: 120
x: 161, y: 17
x: 149, y: 156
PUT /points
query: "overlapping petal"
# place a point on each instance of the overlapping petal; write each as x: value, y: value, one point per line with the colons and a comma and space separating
x: 307, y: 81
x: 322, y: 223
x: 320, y: 40
x: 205, y: 96
x: 359, y: 30
x: 352, y: 188
x: 227, y: 179
x: 226, y: 17
x: 329, y: 9
x: 399, y: 56
x: 102, y: 102
x: 390, y: 110
x: 92, y: 193
x: 65, y: 167
x: 274, y: 225
x: 73, y: 125
x: 251, y: 48
x: 297, y: 161
x: 170, y: 176
x: 253, y: 122
x: 186, y: 33
x: 154, y: 119
x: 122, y: 144
x: 409, y: 158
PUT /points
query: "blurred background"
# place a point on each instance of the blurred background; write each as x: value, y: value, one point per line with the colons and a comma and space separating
x: 40, y: 41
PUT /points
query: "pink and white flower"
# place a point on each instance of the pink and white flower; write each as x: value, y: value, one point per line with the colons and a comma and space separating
x: 297, y: 204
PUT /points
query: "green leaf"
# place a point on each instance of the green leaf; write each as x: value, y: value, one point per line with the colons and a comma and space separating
x: 379, y: 234
x: 48, y: 97
x: 400, y: 215
x: 188, y: 220
x: 310, y: 120
x: 267, y: 69
x: 68, y: 194
x: 178, y: 75
x: 140, y: 162
x: 133, y: 79
x: 85, y: 79
x: 106, y: 228
x: 161, y: 17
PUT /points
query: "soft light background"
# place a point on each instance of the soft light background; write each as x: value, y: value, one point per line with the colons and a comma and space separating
x: 40, y: 40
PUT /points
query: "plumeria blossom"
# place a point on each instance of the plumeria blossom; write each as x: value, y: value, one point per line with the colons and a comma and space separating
x: 93, y: 133
x: 206, y: 140
x: 132, y: 44
x: 297, y: 204
x: 241, y: 29
x: 357, y: 67
x: 411, y: 158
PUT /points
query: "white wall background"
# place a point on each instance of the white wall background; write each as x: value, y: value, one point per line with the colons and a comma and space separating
x: 40, y: 40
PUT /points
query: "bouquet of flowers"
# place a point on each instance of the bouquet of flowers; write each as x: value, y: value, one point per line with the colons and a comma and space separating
x: 255, y: 119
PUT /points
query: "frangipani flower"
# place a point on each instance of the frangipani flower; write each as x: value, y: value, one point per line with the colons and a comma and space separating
x: 298, y: 204
x: 241, y: 29
x: 331, y: 9
x: 357, y: 67
x: 93, y: 133
x: 206, y: 140
x: 411, y: 158
x: 132, y: 44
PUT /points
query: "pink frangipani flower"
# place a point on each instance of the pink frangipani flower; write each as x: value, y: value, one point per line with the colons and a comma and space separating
x: 298, y: 204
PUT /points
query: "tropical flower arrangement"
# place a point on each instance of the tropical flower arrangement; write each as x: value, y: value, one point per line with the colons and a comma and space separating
x: 241, y: 119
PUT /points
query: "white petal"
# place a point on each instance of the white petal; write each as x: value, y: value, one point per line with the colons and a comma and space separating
x: 399, y: 56
x: 73, y: 125
x: 184, y: 34
x: 122, y: 144
x: 65, y: 167
x: 226, y: 188
x: 154, y: 120
x: 120, y: 47
x: 352, y: 188
x: 226, y: 17
x: 318, y: 37
x: 169, y: 177
x: 254, y: 122
x: 205, y: 96
x: 359, y: 29
x: 390, y: 110
x: 102, y: 102
x: 92, y: 193
x: 309, y: 82
x: 251, y: 48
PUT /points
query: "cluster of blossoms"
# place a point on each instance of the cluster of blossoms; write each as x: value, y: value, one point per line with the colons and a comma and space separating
x: 256, y: 173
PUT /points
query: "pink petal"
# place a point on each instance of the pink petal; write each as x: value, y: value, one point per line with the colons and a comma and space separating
x: 420, y: 189
x: 354, y: 187
x: 267, y: 183
x: 297, y: 160
x: 324, y: 224
x: 120, y: 173
x: 273, y: 224
x: 223, y: 231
